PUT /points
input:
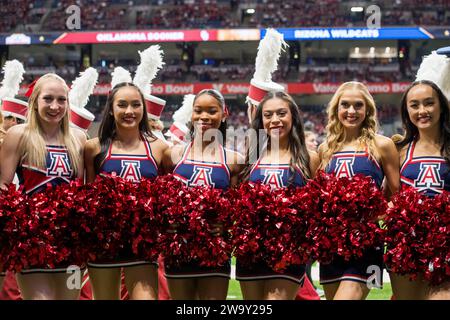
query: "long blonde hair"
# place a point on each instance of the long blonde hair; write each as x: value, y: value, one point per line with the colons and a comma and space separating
x: 335, y: 130
x: 32, y: 145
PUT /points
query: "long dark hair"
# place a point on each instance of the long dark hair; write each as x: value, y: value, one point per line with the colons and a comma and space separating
x: 297, y: 146
x: 221, y: 100
x: 107, y: 129
x: 411, y: 131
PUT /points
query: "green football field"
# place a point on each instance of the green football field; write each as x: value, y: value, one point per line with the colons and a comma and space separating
x: 234, y: 291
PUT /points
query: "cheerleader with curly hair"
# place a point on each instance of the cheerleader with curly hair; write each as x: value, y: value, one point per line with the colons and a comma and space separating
x: 352, y: 146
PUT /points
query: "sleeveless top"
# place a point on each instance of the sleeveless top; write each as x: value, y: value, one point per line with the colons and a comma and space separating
x: 429, y: 174
x: 132, y: 167
x: 349, y: 163
x: 196, y: 173
x: 58, y: 170
x: 276, y: 175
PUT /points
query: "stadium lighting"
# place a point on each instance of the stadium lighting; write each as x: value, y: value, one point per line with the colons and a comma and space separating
x: 250, y: 11
x: 357, y: 9
x: 447, y: 33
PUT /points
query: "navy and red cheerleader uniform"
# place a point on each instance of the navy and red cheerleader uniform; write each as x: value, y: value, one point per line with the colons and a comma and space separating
x: 347, y: 164
x: 277, y: 176
x: 429, y: 174
x: 58, y: 171
x: 132, y: 167
x: 196, y: 173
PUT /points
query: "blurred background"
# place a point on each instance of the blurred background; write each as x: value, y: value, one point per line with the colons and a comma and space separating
x: 213, y: 43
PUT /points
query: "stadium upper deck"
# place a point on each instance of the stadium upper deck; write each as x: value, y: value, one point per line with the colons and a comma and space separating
x: 41, y: 15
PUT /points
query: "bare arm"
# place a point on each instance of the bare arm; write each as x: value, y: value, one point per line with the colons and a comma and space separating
x: 91, y: 150
x: 313, y: 163
x: 171, y: 156
x: 81, y: 136
x: 390, y: 163
x: 158, y: 148
x: 236, y: 165
x: 320, y: 152
x: 9, y: 154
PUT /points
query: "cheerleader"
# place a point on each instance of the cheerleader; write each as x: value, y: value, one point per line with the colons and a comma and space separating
x: 44, y: 150
x: 123, y: 135
x: 425, y: 165
x: 203, y: 161
x: 288, y: 162
x: 353, y: 147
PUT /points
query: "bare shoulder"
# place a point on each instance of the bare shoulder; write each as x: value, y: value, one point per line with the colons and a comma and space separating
x: 321, y: 149
x: 172, y: 155
x: 174, y: 152
x: 16, y: 131
x: 384, y: 143
x: 234, y: 157
x: 388, y: 150
x: 313, y: 156
x: 14, y: 135
x: 92, y: 147
x: 159, y: 144
x: 79, y: 134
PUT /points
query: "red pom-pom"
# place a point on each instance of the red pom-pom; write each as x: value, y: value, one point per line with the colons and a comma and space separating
x: 343, y: 215
x: 73, y: 220
x: 12, y: 208
x: 170, y: 207
x: 269, y: 226
x: 188, y: 215
x: 210, y: 212
x: 44, y: 232
x: 145, y: 222
x: 418, y: 237
x: 113, y: 203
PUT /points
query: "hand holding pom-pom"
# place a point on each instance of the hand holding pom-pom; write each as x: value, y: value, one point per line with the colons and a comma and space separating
x: 343, y: 216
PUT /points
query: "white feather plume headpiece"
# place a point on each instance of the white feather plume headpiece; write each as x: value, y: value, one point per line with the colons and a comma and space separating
x: 82, y: 88
x: 151, y: 63
x: 436, y: 68
x: 184, y: 113
x: 13, y: 71
x: 269, y: 51
x: 120, y: 75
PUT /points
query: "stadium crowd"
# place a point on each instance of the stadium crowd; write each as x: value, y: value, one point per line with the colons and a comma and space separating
x: 173, y: 14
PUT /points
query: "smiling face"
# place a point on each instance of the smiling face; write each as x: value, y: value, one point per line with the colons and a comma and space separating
x: 423, y: 107
x: 277, y: 118
x: 352, y: 109
x: 52, y: 102
x: 128, y: 108
x: 207, y: 113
